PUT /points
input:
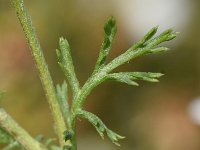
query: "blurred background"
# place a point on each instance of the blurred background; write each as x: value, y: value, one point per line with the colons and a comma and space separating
x: 153, y: 116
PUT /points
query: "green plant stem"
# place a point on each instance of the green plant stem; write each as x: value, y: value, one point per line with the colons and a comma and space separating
x: 101, y: 75
x: 73, y: 140
x: 18, y: 133
x: 42, y: 67
x: 127, y: 56
x: 92, y: 82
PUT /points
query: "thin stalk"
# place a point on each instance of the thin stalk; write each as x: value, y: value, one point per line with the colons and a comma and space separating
x: 18, y: 133
x: 91, y: 83
x: 41, y: 65
x: 74, y: 140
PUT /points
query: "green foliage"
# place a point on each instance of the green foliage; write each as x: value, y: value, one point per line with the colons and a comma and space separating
x: 5, y: 138
x: 130, y: 77
x: 148, y: 44
x: 13, y: 146
x: 100, y: 126
x: 66, y: 64
x: 63, y: 100
x: 110, y: 30
x: 65, y: 115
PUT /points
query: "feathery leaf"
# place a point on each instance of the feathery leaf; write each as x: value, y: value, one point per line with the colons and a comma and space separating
x: 100, y: 126
x: 130, y: 77
x: 110, y: 30
x: 66, y: 64
x: 63, y: 100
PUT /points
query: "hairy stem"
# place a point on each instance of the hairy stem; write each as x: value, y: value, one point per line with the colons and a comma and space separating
x: 101, y: 75
x: 91, y: 83
x: 73, y: 140
x: 41, y: 65
x: 18, y: 133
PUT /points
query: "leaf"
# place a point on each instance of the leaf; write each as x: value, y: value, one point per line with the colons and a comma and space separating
x: 148, y: 36
x: 5, y: 138
x: 12, y: 146
x: 147, y: 45
x: 100, y: 126
x: 130, y: 77
x: 110, y: 26
x: 122, y: 77
x: 165, y: 36
x: 66, y: 64
x: 62, y: 94
x: 146, y: 76
x: 110, y: 30
x: 158, y: 50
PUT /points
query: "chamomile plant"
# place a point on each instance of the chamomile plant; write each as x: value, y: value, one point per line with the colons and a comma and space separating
x: 64, y: 113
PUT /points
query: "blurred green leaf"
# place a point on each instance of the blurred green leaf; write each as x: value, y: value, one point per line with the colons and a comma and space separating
x: 55, y: 148
x: 100, y: 126
x: 5, y: 138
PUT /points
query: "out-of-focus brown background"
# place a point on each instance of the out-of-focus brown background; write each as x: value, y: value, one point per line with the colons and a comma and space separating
x: 153, y: 116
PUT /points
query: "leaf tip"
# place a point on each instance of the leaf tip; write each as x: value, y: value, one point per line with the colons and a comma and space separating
x: 110, y: 26
x: 63, y: 42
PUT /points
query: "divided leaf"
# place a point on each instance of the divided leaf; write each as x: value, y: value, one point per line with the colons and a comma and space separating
x: 66, y: 64
x: 63, y: 53
x: 122, y: 77
x: 148, y: 36
x: 148, y: 44
x: 5, y: 138
x: 145, y: 46
x: 130, y: 77
x: 110, y: 30
x: 100, y: 126
x: 167, y: 35
x: 63, y: 99
x: 62, y: 94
